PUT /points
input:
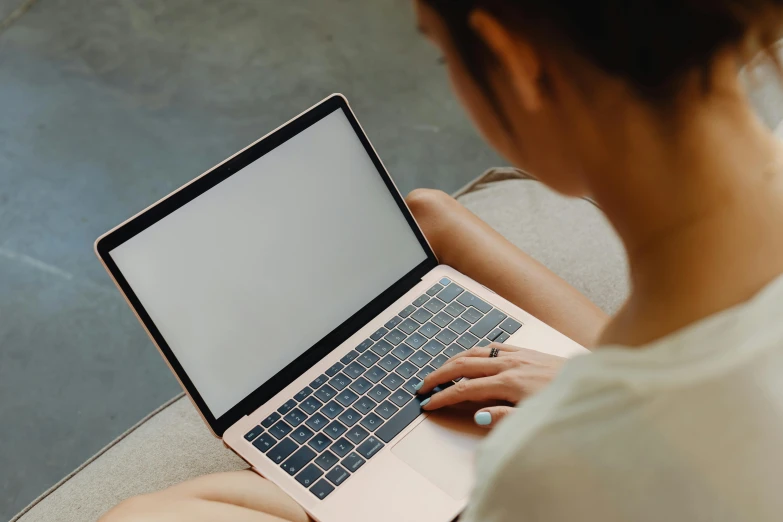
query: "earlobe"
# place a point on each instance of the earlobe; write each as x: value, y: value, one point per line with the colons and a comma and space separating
x: 516, y: 56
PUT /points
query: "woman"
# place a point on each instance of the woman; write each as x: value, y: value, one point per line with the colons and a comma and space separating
x: 678, y: 415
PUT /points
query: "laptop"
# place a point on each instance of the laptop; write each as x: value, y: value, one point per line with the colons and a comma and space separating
x: 297, y: 302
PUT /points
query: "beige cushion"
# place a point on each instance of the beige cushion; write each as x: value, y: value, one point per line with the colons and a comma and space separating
x: 172, y: 444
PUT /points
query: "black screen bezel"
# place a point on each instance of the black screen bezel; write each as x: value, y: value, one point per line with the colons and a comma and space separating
x: 215, y: 176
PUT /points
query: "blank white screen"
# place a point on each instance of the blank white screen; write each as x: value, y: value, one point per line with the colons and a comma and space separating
x: 252, y: 273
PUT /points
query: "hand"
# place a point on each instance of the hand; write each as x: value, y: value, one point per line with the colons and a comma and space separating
x: 240, y: 496
x: 510, y: 377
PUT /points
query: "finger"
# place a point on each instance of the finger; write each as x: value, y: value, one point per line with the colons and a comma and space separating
x: 474, y: 390
x: 484, y: 351
x: 489, y: 417
x: 470, y: 367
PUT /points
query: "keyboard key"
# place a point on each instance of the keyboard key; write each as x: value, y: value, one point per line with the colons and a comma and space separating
x: 453, y: 350
x: 434, y: 290
x: 389, y: 363
x: 408, y: 326
x: 469, y: 299
x: 392, y: 381
x: 482, y: 343
x: 302, y: 395
x: 320, y: 442
x: 410, y: 386
x: 356, y: 434
x: 336, y: 367
x: 455, y: 309
x: 378, y: 393
x: 327, y: 460
x: 319, y: 381
x: 338, y: 475
x: 332, y: 410
x: 422, y: 315
x: 459, y: 326
x: 449, y: 293
x: 350, y: 356
x: 325, y: 393
x: 346, y: 397
x: 354, y: 370
x: 395, y: 337
x: 316, y: 422
x: 400, y: 397
x: 408, y: 310
x: 380, y: 332
x: 435, y: 305
x: 402, y: 351
x: 339, y: 381
x: 433, y: 347
x: 372, y: 422
x: 421, y: 300
x: 280, y: 430
x: 442, y: 319
x: 406, y: 369
x: 439, y: 361
x: 495, y: 334
x: 322, y: 489
x: 467, y: 341
x: 364, y: 405
x: 364, y: 346
x: 342, y: 447
x: 511, y: 325
x: 298, y: 460
x: 309, y: 475
x: 416, y: 341
x: 301, y: 434
x: 264, y: 442
x: 368, y: 359
x: 353, y: 462
x: 471, y: 315
x: 386, y: 409
x: 445, y: 281
x: 375, y: 374
x: 335, y: 430
x: 270, y: 420
x: 425, y: 372
x: 420, y: 358
x: 446, y: 336
x: 502, y: 338
x: 251, y: 435
x: 349, y: 417
x: 288, y: 406
x: 394, y: 321
x: 485, y: 325
x: 295, y: 417
x: 369, y: 448
x: 399, y: 422
x: 281, y: 452
x: 382, y: 348
x: 429, y: 330
x: 361, y: 385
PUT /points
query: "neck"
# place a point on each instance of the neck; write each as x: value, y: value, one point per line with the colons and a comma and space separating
x: 698, y: 210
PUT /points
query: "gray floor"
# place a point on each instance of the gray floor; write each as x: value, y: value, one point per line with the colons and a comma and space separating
x: 106, y: 106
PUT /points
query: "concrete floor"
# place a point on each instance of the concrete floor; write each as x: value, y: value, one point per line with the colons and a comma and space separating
x: 106, y: 106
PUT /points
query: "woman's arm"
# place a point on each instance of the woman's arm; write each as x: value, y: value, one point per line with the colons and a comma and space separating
x: 464, y: 242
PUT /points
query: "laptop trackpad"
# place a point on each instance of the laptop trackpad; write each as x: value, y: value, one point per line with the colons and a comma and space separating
x: 441, y: 449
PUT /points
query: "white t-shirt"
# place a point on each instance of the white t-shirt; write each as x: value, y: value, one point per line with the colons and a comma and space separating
x: 689, y: 428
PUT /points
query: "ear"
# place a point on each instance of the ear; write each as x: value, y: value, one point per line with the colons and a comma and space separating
x: 515, y: 54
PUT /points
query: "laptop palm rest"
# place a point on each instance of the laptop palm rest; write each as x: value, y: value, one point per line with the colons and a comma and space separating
x: 441, y: 449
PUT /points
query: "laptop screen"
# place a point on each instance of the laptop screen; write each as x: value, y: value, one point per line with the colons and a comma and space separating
x: 249, y: 275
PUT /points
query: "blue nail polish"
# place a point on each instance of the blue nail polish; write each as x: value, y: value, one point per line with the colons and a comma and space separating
x: 425, y: 402
x: 483, y: 418
x: 418, y: 386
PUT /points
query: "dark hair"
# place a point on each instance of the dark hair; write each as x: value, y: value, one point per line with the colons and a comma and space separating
x: 652, y: 44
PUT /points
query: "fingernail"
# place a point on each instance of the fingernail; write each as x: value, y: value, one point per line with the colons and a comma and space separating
x: 425, y: 402
x: 483, y: 418
x: 418, y: 386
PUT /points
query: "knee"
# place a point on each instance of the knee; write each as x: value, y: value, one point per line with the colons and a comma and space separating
x: 426, y: 203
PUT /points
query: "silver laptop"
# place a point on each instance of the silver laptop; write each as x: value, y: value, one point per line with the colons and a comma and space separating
x: 291, y: 292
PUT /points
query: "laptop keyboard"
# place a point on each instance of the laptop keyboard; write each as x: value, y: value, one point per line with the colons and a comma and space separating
x: 331, y: 428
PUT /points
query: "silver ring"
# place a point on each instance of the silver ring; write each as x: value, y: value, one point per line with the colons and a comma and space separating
x: 493, y: 352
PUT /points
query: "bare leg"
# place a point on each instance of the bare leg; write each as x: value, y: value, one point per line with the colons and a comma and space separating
x: 464, y: 242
